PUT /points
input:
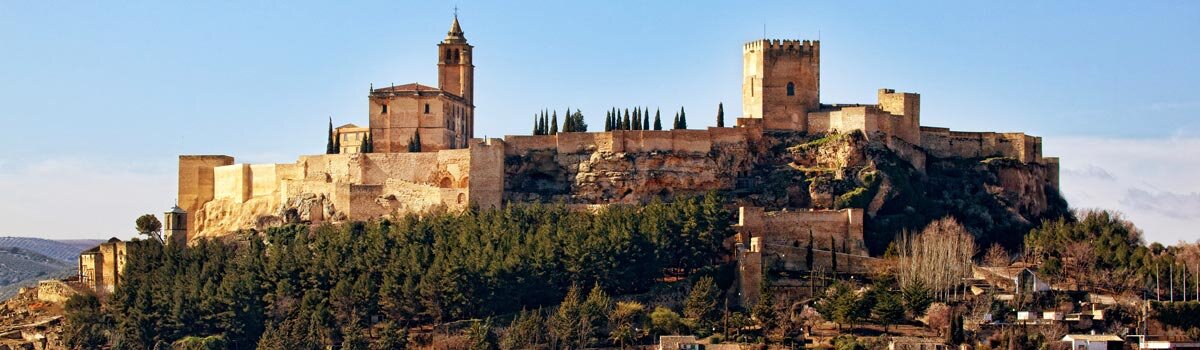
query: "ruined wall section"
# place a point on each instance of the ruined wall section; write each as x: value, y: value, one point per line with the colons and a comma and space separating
x: 791, y: 228
x: 944, y: 143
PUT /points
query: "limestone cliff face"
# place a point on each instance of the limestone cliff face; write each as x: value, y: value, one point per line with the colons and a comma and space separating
x: 998, y: 199
x: 608, y: 177
x: 900, y: 186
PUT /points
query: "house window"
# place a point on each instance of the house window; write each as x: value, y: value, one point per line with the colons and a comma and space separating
x: 426, y: 108
x: 384, y: 109
x: 791, y: 89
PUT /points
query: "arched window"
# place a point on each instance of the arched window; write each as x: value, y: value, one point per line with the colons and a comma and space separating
x: 447, y: 55
x: 791, y: 89
x: 426, y: 108
x: 456, y: 59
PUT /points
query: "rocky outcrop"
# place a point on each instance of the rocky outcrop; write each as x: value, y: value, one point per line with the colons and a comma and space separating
x: 608, y: 177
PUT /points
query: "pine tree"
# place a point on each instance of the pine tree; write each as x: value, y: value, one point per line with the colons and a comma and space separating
x: 657, y: 120
x: 554, y: 124
x: 764, y: 308
x: 682, y: 118
x: 329, y: 148
x: 720, y: 115
x: 701, y: 305
x: 578, y: 124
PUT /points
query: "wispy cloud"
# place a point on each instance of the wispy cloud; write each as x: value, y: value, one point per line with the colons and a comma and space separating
x: 1090, y: 170
x: 1151, y: 180
x: 1184, y: 206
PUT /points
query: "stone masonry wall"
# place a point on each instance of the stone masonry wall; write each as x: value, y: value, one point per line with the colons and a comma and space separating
x: 792, y: 228
x: 944, y: 143
x: 343, y: 186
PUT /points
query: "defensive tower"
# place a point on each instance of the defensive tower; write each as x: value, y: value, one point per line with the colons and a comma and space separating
x: 781, y: 82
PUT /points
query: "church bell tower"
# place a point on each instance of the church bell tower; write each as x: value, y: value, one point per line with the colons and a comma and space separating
x: 456, y: 73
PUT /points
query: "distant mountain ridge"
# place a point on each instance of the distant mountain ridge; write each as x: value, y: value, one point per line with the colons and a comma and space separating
x: 25, y: 260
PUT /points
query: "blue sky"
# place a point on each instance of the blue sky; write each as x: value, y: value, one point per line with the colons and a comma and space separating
x: 99, y: 98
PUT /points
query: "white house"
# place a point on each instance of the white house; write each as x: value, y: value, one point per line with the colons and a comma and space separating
x: 1091, y: 341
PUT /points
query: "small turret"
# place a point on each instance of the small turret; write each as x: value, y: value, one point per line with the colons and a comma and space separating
x: 175, y: 227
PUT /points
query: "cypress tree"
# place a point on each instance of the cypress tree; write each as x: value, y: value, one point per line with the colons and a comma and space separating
x: 675, y: 124
x: 607, y: 121
x: 646, y: 119
x: 682, y: 118
x: 637, y: 119
x: 365, y: 147
x: 657, y: 120
x: 536, y: 126
x: 720, y: 115
x: 554, y: 124
x: 625, y: 122
x: 414, y: 144
x: 567, y: 121
x: 832, y: 256
x: 329, y: 149
x: 808, y: 250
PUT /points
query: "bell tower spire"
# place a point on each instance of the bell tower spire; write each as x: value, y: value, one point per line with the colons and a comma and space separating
x: 456, y: 73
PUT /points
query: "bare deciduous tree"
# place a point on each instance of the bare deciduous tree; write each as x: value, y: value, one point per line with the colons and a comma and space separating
x: 940, y: 257
x: 996, y: 256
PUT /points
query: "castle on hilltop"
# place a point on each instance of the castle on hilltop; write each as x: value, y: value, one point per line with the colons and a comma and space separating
x: 453, y: 169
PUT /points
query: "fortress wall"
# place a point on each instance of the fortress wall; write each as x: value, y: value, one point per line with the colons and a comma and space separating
x: 264, y: 179
x: 376, y: 168
x: 515, y: 145
x: 580, y: 142
x: 454, y: 165
x: 196, y: 182
x: 728, y: 135
x: 327, y: 167
x: 1051, y: 164
x: 944, y: 143
x: 232, y: 182
x: 405, y: 196
x: 656, y: 140
x: 361, y: 204
x: 486, y: 183
x: 791, y: 228
x: 695, y: 141
x: 633, y: 141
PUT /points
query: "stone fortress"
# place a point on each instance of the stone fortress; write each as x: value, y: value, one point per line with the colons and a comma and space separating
x: 780, y: 93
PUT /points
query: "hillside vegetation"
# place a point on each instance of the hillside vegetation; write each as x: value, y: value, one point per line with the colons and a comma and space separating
x: 297, y: 288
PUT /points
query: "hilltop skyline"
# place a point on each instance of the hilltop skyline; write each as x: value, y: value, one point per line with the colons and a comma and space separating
x: 112, y: 156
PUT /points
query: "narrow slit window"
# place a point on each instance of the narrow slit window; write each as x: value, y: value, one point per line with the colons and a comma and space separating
x: 791, y: 89
x: 426, y: 108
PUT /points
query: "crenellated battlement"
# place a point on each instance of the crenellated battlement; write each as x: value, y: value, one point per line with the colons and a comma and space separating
x: 779, y: 46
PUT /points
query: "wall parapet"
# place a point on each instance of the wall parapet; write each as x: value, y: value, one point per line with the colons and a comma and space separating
x: 631, y: 141
x: 946, y: 143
